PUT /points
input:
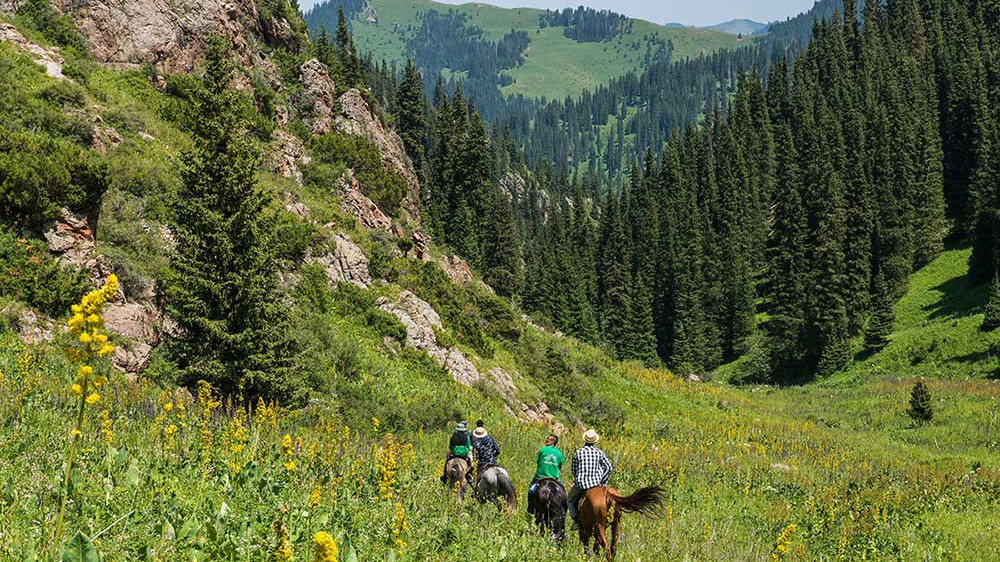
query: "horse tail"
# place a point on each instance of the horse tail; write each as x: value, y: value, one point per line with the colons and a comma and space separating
x: 643, y: 500
x: 506, y: 488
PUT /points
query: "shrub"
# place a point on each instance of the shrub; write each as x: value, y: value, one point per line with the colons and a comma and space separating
x: 56, y: 27
x: 920, y: 404
x: 38, y: 175
x: 29, y: 275
x: 385, y: 187
x: 64, y: 93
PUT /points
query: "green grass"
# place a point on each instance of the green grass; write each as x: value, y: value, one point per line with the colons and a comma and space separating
x: 555, y: 66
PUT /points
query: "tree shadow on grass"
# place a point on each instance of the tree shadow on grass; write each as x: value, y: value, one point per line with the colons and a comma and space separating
x: 958, y: 299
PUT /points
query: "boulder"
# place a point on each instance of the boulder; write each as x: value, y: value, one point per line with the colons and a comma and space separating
x: 319, y: 95
x: 29, y: 326
x: 345, y: 262
x: 358, y: 118
x: 138, y: 324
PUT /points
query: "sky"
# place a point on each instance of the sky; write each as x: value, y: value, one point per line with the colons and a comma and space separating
x: 688, y: 12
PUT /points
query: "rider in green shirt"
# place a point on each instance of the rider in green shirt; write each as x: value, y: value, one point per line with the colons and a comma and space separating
x: 550, y: 461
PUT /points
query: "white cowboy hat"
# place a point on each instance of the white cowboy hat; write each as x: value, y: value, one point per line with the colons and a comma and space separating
x: 480, y: 432
x: 591, y: 437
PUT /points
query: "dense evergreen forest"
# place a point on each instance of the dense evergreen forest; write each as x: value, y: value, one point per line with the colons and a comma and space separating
x: 586, y: 25
x: 782, y: 226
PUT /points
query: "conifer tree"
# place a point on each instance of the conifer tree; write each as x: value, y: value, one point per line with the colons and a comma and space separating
x: 616, y: 277
x: 349, y: 62
x: 921, y: 409
x: 880, y: 325
x: 222, y: 281
x: 991, y: 319
x: 412, y: 121
x: 501, y: 249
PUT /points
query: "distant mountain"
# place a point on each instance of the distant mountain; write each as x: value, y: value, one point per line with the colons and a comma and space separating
x: 739, y: 27
x: 674, y: 24
x: 514, y: 51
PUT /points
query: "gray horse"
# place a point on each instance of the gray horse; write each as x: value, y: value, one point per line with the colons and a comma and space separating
x: 494, y: 482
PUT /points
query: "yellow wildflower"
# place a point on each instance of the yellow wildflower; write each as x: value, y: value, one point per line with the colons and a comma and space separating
x: 399, y: 528
x: 77, y: 389
x: 94, y: 398
x: 168, y: 406
x: 86, y: 370
x: 324, y: 548
x: 314, y: 497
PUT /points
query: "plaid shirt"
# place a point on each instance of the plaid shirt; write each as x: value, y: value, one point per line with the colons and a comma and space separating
x: 591, y: 467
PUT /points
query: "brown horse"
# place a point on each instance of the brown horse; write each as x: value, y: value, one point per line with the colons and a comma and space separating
x: 456, y: 469
x: 598, y: 502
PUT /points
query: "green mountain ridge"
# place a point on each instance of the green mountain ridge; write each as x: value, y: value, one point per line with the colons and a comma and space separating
x: 554, y: 67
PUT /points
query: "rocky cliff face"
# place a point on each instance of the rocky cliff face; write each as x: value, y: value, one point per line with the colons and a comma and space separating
x: 171, y: 33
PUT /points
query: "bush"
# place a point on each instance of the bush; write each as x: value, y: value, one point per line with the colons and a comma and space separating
x: 293, y: 236
x: 56, y: 27
x: 64, y: 93
x: 38, y: 175
x: 386, y: 188
x: 920, y: 404
x: 29, y: 275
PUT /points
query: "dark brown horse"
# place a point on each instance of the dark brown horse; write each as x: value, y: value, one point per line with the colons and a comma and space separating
x: 596, y: 505
x: 456, y: 469
x: 549, y: 506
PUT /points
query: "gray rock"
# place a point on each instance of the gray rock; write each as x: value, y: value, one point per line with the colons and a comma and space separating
x: 344, y: 263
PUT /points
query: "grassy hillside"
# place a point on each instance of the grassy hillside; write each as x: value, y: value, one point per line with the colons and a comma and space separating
x: 555, y: 66
x: 828, y: 471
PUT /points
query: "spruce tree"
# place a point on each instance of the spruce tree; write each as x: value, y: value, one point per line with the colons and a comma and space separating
x: 501, y: 249
x: 920, y: 408
x: 222, y: 282
x: 411, y: 120
x: 349, y: 63
x: 880, y: 325
x: 991, y: 319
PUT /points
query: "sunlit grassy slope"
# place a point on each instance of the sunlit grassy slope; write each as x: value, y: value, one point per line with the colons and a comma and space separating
x: 555, y: 65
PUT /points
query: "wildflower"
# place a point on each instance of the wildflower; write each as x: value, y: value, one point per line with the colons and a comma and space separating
x: 286, y: 453
x: 399, y: 528
x: 314, y: 497
x: 283, y: 547
x: 106, y: 426
x: 375, y: 424
x: 168, y: 437
x: 168, y: 406
x: 94, y: 398
x: 386, y: 466
x: 782, y: 542
x: 324, y: 548
x: 77, y: 389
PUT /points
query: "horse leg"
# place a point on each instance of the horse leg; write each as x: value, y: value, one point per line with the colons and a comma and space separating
x: 601, y: 541
x: 614, y: 534
x: 585, y: 538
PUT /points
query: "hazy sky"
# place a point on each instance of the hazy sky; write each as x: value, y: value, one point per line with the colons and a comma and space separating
x: 697, y: 12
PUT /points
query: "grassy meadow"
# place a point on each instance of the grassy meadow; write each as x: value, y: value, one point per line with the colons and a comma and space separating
x: 555, y: 66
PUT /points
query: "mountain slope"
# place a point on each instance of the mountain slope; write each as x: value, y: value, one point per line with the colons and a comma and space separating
x: 739, y: 27
x: 554, y: 65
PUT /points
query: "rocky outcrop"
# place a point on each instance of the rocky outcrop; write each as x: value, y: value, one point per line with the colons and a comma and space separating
x: 170, y: 33
x: 457, y: 269
x: 139, y: 324
x: 359, y: 206
x: 357, y: 118
x: 105, y: 136
x: 71, y: 239
x: 29, y: 326
x: 345, y: 262
x: 49, y: 58
x: 288, y: 153
x: 421, y: 322
x: 503, y: 383
x: 319, y: 97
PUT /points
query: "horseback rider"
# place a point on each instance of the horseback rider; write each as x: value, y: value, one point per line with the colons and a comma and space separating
x: 549, y: 463
x: 485, y: 447
x: 458, y: 447
x: 591, y: 468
